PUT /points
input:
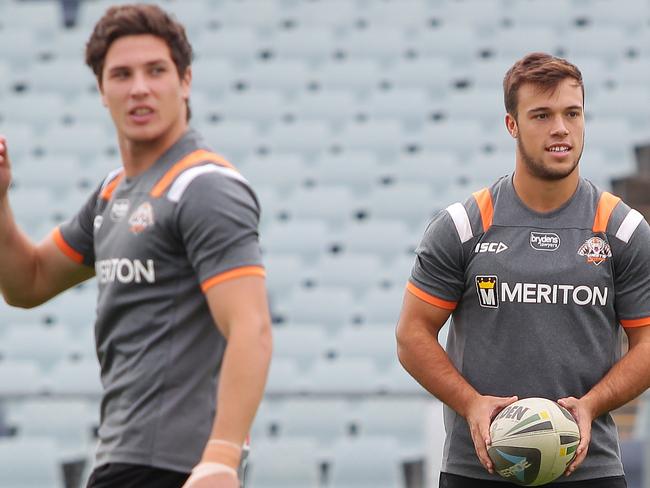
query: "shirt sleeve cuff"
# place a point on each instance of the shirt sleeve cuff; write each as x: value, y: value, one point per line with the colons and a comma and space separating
x: 630, y: 323
x: 430, y: 299
x: 231, y: 274
x: 65, y: 248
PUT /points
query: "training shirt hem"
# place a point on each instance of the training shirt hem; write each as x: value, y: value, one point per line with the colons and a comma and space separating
x: 159, y: 461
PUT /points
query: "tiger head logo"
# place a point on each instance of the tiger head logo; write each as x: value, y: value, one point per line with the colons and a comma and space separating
x: 596, y: 250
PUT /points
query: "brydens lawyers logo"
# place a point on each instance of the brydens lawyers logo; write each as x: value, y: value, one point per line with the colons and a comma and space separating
x: 141, y: 218
x: 544, y: 241
x: 596, y: 250
x: 487, y: 288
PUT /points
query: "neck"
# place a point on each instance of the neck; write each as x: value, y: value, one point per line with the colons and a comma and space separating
x: 139, y: 156
x: 544, y: 195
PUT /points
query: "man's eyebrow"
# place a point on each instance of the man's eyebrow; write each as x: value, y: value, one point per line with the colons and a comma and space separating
x: 546, y: 109
x: 148, y: 63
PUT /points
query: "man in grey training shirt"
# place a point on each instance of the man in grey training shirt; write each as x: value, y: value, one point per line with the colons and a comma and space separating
x: 539, y: 272
x: 172, y: 238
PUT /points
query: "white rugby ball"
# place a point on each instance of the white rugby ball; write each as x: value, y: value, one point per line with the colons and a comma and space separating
x: 533, y: 441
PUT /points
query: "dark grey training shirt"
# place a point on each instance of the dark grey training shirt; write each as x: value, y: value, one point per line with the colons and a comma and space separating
x: 158, y: 242
x: 537, y: 300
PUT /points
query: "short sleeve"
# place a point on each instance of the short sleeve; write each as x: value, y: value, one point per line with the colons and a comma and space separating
x: 75, y: 237
x: 632, y: 278
x: 437, y: 276
x: 217, y: 217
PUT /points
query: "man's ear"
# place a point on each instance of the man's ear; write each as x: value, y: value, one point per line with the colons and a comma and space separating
x: 511, y: 125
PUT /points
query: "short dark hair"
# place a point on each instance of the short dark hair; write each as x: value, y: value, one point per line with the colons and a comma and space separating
x: 540, y: 69
x: 136, y: 19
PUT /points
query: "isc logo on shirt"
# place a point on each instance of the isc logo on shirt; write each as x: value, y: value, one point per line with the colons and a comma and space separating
x: 487, y: 288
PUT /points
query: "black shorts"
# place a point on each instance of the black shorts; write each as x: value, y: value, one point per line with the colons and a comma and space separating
x: 454, y: 481
x: 120, y: 475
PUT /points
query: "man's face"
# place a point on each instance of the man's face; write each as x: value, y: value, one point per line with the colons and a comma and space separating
x: 549, y: 129
x: 142, y: 89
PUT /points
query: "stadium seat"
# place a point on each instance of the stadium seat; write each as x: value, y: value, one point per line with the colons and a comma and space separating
x: 309, y: 44
x: 433, y: 73
x: 334, y: 205
x: 357, y: 76
x: 257, y: 14
x: 21, y: 468
x: 19, y: 47
x: 213, y: 75
x: 360, y: 170
x: 20, y: 377
x: 262, y: 106
x: 70, y: 423
x: 284, y: 272
x: 463, y: 137
x: 344, y: 376
x: 367, y: 462
x: 516, y: 42
x: 74, y: 309
x: 324, y: 420
x: 337, y: 14
x: 398, y: 382
x: 87, y: 108
x: 438, y: 169
x: 387, y: 238
x: 380, y: 136
x: 306, y: 238
x: 536, y: 13
x: 302, y: 344
x: 85, y: 140
x: 238, y: 44
x: 377, y: 344
x: 235, y: 140
x: 608, y: 43
x: 20, y: 142
x: 306, y: 306
x: 382, y: 304
x: 286, y: 378
x: 285, y: 76
x: 51, y: 174
x: 412, y: 106
x: 333, y: 106
x: 409, y: 202
x: 43, y: 345
x: 407, y: 15
x: 37, y: 109
x: 75, y: 377
x: 355, y: 271
x: 307, y: 137
x: 69, y: 77
x: 456, y: 41
x: 286, y: 463
x: 377, y: 43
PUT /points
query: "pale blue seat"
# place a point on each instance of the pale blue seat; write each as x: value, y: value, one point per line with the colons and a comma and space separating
x: 301, y: 344
x: 375, y: 42
x: 432, y: 73
x: 380, y: 136
x: 408, y: 202
x: 331, y: 204
x: 284, y: 463
x: 285, y: 377
x: 30, y: 463
x: 342, y: 376
x: 333, y: 106
x: 382, y: 304
x: 412, y: 105
x: 516, y: 42
x: 75, y: 377
x: 456, y: 41
x: 307, y: 306
x: 406, y: 15
x: 238, y: 44
x: 43, y: 345
x: 367, y: 462
x: 310, y: 44
x: 261, y: 106
x: 325, y: 420
x: 351, y: 270
x: 308, y: 238
x: 213, y: 75
x: 19, y: 47
x: 282, y: 171
x: 35, y: 108
x: 609, y: 43
x: 335, y: 14
x: 357, y: 169
x: 307, y: 137
x: 85, y: 140
x: 20, y: 377
x: 375, y: 343
x: 235, y: 140
x: 388, y: 238
x: 284, y: 75
x: 68, y: 77
x: 358, y: 76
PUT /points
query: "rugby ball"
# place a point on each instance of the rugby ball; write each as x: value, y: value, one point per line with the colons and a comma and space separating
x: 533, y: 441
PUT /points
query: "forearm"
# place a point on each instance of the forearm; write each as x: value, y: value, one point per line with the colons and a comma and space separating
x: 424, y: 358
x: 18, y: 260
x: 627, y: 379
x: 241, y: 382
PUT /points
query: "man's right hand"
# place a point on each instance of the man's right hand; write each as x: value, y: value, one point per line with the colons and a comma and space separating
x: 479, y: 416
x: 5, y: 168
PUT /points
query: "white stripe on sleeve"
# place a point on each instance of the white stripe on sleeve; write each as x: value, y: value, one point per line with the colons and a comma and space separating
x: 461, y: 220
x: 182, y: 182
x: 629, y: 225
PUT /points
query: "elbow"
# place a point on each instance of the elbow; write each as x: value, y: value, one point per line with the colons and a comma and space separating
x: 20, y: 301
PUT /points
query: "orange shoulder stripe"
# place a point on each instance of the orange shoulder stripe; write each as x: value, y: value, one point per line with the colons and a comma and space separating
x: 484, y: 200
x: 65, y: 248
x: 198, y: 156
x: 430, y: 299
x: 606, y: 206
x: 635, y: 322
x: 233, y: 273
x: 108, y: 190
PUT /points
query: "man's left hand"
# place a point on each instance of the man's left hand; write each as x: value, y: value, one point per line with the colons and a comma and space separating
x: 584, y: 417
